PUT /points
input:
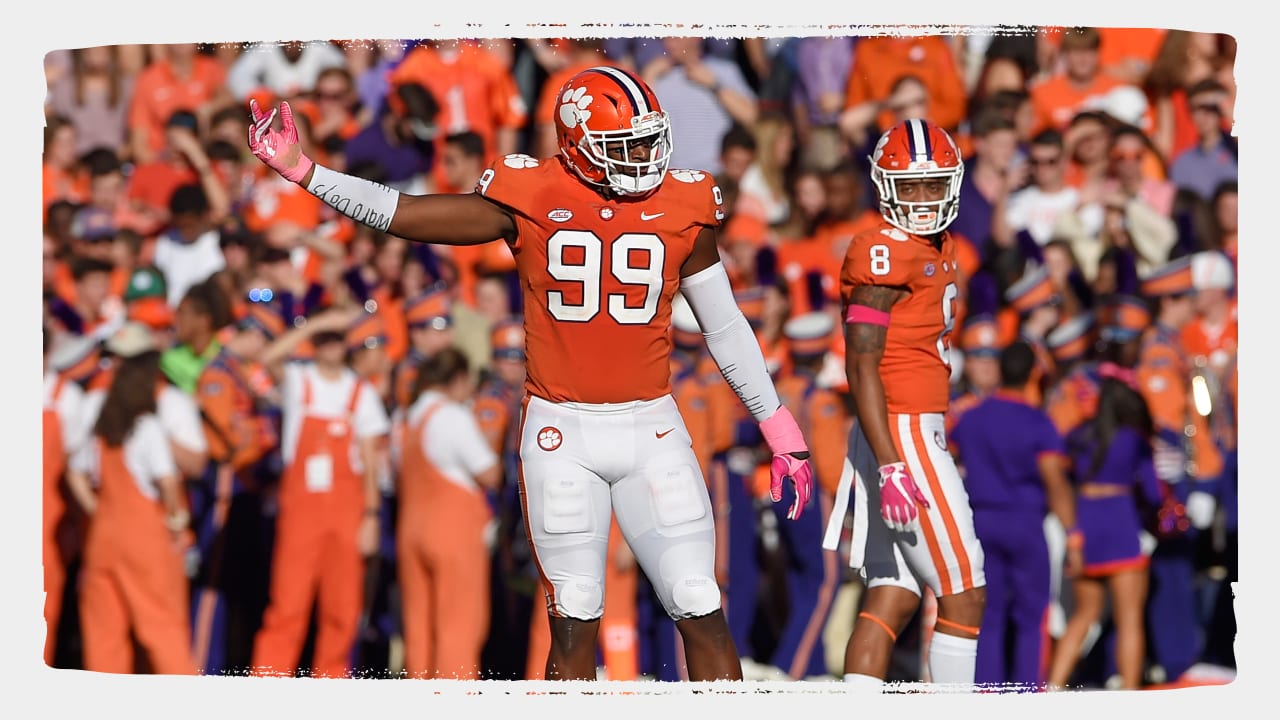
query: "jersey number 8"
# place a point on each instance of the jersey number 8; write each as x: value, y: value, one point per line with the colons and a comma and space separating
x: 880, y: 266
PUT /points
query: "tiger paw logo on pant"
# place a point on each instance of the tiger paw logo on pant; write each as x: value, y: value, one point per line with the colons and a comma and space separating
x: 549, y: 438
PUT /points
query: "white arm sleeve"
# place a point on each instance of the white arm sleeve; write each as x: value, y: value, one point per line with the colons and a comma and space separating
x: 364, y: 201
x: 730, y: 340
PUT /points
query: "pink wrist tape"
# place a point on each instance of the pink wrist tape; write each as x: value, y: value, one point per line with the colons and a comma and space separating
x: 869, y: 315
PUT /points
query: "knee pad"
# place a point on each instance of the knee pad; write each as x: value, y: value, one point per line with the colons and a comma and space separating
x: 580, y: 598
x: 694, y: 597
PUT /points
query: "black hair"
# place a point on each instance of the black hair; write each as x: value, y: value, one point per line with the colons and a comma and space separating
x: 1017, y: 361
x: 189, y: 199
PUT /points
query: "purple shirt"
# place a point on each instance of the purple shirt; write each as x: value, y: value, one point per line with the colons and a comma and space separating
x: 698, y: 120
x: 821, y: 66
x: 401, y: 163
x: 1127, y: 462
x: 1202, y: 171
x: 1000, y: 442
x: 974, y: 219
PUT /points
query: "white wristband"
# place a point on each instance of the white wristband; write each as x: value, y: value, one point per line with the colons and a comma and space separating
x: 364, y: 201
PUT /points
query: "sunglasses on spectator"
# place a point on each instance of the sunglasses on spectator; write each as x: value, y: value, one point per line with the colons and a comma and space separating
x: 1039, y: 162
x: 1126, y: 154
x: 1206, y: 107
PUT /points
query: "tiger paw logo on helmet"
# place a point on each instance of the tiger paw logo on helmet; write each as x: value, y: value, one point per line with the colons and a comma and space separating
x: 574, y: 106
x: 549, y: 438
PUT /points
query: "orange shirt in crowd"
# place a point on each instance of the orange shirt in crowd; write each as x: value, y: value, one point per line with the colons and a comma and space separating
x: 475, y: 92
x: 1056, y: 100
x: 58, y: 184
x: 879, y: 61
x: 159, y: 92
x: 153, y: 183
x: 1122, y: 45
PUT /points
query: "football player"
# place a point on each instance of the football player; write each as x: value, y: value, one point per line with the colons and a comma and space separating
x: 603, y: 235
x: 899, y: 289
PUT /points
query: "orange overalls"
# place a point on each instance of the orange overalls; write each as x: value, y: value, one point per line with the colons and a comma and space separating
x: 316, y: 554
x: 443, y: 566
x: 133, y: 583
x: 55, y: 571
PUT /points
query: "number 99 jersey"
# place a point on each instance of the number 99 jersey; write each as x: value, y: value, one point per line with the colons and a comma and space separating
x: 598, y: 276
x: 916, y: 368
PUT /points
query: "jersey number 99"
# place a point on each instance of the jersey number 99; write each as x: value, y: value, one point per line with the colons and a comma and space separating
x: 590, y: 275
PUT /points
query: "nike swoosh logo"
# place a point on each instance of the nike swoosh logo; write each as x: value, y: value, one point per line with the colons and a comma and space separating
x: 662, y: 434
x: 647, y: 216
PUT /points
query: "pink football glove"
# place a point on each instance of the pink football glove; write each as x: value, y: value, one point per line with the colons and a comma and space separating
x: 899, y: 497
x: 790, y: 459
x: 278, y: 149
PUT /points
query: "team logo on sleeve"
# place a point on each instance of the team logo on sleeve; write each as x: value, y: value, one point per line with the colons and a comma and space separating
x: 549, y: 438
x: 520, y: 161
x: 687, y: 176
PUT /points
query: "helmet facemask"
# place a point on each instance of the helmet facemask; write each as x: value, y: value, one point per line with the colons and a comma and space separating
x: 627, y: 176
x: 924, y: 217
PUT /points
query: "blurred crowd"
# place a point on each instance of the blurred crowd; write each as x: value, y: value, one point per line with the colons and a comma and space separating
x: 1098, y: 222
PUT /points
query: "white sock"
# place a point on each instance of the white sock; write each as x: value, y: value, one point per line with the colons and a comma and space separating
x: 863, y: 683
x: 952, y: 660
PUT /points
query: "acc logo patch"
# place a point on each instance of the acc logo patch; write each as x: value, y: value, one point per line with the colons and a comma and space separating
x: 560, y: 215
x: 894, y: 234
x: 549, y: 438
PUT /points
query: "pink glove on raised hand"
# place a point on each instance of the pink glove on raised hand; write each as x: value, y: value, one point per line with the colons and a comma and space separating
x: 899, y: 497
x: 790, y: 459
x: 278, y: 149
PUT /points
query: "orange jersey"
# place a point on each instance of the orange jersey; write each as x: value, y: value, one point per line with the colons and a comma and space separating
x: 915, y: 368
x: 1055, y: 101
x: 879, y: 61
x: 598, y: 276
x: 159, y: 92
x: 1216, y: 345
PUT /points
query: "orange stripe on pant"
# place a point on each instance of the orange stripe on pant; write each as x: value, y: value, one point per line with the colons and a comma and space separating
x: 443, y: 567
x: 133, y: 585
x: 914, y: 435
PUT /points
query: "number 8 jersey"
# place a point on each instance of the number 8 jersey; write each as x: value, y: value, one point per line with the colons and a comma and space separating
x: 916, y: 367
x: 597, y: 276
